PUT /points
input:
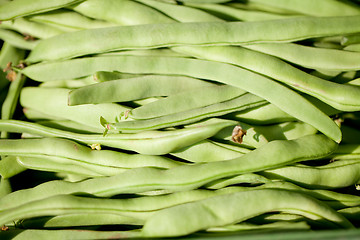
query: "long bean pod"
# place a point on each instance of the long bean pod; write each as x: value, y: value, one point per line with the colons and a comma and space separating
x: 175, y: 34
x: 183, y: 177
x: 281, y: 96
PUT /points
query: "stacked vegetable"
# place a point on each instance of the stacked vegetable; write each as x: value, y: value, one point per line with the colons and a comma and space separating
x: 146, y: 118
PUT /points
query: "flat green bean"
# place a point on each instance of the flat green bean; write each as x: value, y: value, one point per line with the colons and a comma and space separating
x: 122, y: 12
x: 339, y: 96
x: 20, y: 8
x: 311, y: 57
x: 69, y: 126
x: 187, y: 100
x: 148, y: 142
x: 351, y: 213
x: 223, y: 210
x: 281, y: 96
x: 70, y: 84
x: 124, y: 90
x: 242, y: 102
x: 174, y: 34
x: 11, y: 54
x: 337, y: 174
x: 53, y: 101
x: 81, y: 155
x: 274, y: 154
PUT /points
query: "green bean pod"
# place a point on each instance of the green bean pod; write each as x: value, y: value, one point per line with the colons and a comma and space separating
x: 174, y: 34
x: 339, y: 96
x: 223, y: 210
x: 9, y: 167
x: 242, y: 102
x: 202, y: 69
x: 147, y: 142
x: 337, y: 174
x: 64, y: 148
x: 124, y: 90
x: 311, y: 57
x: 273, y: 155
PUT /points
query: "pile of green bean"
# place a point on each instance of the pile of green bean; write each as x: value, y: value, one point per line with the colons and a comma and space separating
x: 192, y: 118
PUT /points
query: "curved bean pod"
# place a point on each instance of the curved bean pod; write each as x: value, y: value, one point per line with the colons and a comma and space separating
x: 5, y: 187
x: 337, y: 174
x: 220, y: 72
x: 124, y: 90
x: 141, y: 207
x: 350, y: 39
x: 242, y: 102
x: 20, y: 8
x: 64, y: 148
x: 311, y: 57
x: 187, y: 100
x: 175, y: 34
x: 148, y: 142
x: 182, y: 178
x: 9, y: 167
x: 223, y: 210
x: 340, y: 96
x: 353, y: 47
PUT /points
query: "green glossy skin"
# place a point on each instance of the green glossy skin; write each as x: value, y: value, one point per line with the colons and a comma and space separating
x: 175, y: 34
x: 311, y: 57
x: 280, y: 96
x: 20, y: 8
x: 350, y: 39
x: 223, y: 210
x: 56, y: 105
x: 314, y: 8
x: 124, y: 90
x: 121, y: 12
x: 340, y: 96
x: 273, y: 155
x: 9, y: 167
x: 148, y: 142
x: 243, y: 102
x: 338, y: 174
